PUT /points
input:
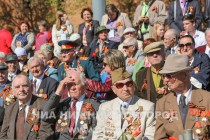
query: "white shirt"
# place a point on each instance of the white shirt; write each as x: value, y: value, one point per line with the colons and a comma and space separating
x: 26, y: 108
x: 21, y: 66
x: 188, y: 96
x: 174, y: 48
x: 199, y: 38
x: 207, y: 51
x: 38, y: 81
x: 78, y: 108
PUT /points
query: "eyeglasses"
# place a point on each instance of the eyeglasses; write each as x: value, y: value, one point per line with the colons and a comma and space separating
x: 169, y: 76
x: 121, y: 85
x: 126, y: 47
x: 189, y: 44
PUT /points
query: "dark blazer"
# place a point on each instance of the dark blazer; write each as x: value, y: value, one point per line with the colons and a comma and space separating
x: 10, y: 116
x: 202, y: 62
x: 86, y: 64
x: 90, y: 34
x: 54, y: 105
x: 207, y: 12
x: 141, y: 76
x: 177, y: 23
x: 1, y: 116
x: 49, y: 85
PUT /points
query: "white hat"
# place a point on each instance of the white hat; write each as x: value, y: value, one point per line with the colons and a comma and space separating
x: 74, y: 37
x: 129, y: 30
x: 20, y: 51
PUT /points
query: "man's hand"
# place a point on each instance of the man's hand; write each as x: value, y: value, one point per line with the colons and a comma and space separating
x: 141, y: 19
x: 146, y: 19
x: 64, y: 84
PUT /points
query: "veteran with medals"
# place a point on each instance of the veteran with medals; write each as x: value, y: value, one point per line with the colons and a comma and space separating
x: 127, y: 116
x: 75, y: 115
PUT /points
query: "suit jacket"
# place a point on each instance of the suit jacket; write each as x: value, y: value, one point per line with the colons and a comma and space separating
x: 202, y: 74
x: 1, y: 116
x: 90, y: 34
x: 49, y: 85
x: 141, y: 76
x: 159, y: 16
x: 122, y: 18
x: 10, y: 116
x: 86, y: 64
x: 54, y: 105
x: 164, y: 128
x: 207, y: 12
x: 177, y: 23
x: 109, y: 119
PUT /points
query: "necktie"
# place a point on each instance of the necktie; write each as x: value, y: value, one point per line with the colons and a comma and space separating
x: 183, y: 108
x: 73, y: 117
x: 34, y: 86
x: 20, y: 123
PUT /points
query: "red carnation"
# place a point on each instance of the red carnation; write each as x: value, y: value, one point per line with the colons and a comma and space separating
x: 93, y: 54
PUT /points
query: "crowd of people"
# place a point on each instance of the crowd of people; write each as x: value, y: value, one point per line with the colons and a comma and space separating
x: 118, y: 80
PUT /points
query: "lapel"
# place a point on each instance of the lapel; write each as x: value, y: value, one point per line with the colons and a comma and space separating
x: 132, y: 108
x: 197, y: 60
x: 196, y: 99
x: 13, y: 120
x: 171, y: 104
x: 43, y: 83
x: 28, y: 127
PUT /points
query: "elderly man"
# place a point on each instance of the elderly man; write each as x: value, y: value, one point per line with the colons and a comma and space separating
x: 148, y: 13
x: 133, y: 54
x: 199, y: 61
x: 43, y: 86
x: 75, y: 114
x: 68, y: 49
x: 127, y: 116
x: 205, y: 48
x: 22, y: 118
x: 176, y: 109
x: 129, y: 32
x: 171, y: 38
x: 148, y: 80
x: 12, y: 63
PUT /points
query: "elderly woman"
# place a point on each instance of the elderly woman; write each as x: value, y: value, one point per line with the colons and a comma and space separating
x: 88, y: 28
x: 116, y: 22
x: 133, y: 54
x: 24, y: 38
x: 61, y: 30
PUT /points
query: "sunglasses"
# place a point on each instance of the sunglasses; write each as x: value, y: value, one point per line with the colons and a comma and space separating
x: 121, y: 85
x: 189, y: 44
x: 169, y: 76
x: 126, y: 47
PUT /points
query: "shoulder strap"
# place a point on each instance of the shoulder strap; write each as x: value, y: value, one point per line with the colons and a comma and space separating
x: 174, y: 10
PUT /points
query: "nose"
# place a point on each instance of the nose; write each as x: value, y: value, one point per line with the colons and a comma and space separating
x: 125, y: 87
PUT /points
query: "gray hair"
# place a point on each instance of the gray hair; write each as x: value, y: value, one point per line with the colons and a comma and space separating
x: 130, y: 41
x: 35, y: 58
x: 21, y: 76
x: 173, y: 33
x: 208, y: 29
x: 2, y: 55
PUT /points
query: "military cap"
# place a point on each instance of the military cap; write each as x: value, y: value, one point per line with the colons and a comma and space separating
x: 3, y: 66
x: 119, y: 74
x: 153, y: 47
x: 101, y: 28
x: 11, y: 57
x: 66, y: 44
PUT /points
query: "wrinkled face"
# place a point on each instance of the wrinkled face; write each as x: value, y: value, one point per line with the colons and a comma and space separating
x: 12, y: 66
x: 42, y: 28
x: 208, y: 37
x: 68, y: 55
x: 188, y: 26
x: 129, y: 50
x: 87, y: 16
x: 160, y: 31
x: 106, y: 66
x: 156, y: 58
x: 186, y: 46
x: 44, y: 59
x: 35, y: 68
x: 24, y: 28
x: 129, y: 34
x: 168, y: 40
x: 76, y: 88
x: 124, y: 89
x: 112, y: 16
x: 103, y: 35
x: 3, y: 76
x: 175, y: 81
x: 21, y: 88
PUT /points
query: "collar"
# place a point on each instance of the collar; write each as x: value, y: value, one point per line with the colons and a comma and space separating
x: 154, y: 70
x: 27, y: 103
x: 105, y: 42
x: 126, y: 103
x: 81, y: 98
x: 39, y: 78
x: 13, y: 73
x: 188, y: 95
x: 191, y: 61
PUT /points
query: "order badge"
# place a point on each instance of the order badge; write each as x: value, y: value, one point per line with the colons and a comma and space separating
x: 18, y: 44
